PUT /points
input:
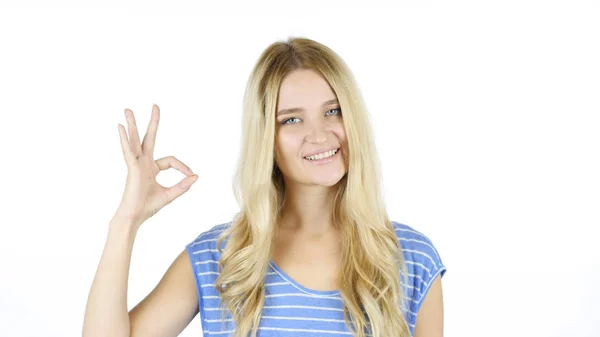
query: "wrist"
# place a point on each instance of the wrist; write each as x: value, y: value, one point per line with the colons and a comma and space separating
x: 123, y: 224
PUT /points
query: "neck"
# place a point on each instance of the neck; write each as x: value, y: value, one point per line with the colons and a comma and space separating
x: 308, y: 210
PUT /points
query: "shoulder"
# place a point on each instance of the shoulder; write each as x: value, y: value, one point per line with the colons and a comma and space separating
x: 205, y: 244
x: 422, y: 260
x: 204, y: 259
x: 416, y: 245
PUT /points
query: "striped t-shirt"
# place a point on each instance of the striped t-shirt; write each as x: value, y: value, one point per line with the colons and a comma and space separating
x: 291, y: 310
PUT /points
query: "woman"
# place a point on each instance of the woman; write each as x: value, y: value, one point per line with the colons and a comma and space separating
x: 311, y: 251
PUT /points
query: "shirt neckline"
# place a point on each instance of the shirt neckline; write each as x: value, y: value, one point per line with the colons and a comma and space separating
x: 300, y: 287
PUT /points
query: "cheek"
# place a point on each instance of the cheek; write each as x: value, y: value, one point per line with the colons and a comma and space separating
x: 340, y: 133
x: 287, y: 144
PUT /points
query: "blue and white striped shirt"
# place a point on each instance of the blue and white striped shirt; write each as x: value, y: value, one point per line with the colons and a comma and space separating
x: 292, y: 310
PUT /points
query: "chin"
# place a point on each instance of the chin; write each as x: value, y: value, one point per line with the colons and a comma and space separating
x: 326, y: 181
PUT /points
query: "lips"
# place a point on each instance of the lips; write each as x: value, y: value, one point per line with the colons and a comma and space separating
x: 324, y: 159
x: 320, y: 151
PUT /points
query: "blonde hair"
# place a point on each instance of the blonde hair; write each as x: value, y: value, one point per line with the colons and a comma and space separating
x: 372, y: 260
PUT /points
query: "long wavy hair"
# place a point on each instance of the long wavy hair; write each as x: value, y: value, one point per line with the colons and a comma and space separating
x: 372, y: 259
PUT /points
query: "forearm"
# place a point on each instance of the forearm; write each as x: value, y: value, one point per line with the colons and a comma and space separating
x: 106, y: 311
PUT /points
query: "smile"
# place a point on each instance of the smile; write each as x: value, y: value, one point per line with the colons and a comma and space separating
x: 323, y: 157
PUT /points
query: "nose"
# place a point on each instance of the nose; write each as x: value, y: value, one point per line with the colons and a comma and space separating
x: 317, y: 133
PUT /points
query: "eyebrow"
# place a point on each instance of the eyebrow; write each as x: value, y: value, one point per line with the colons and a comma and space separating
x: 292, y: 110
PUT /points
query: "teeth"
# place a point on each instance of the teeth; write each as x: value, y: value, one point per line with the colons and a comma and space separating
x: 322, y: 155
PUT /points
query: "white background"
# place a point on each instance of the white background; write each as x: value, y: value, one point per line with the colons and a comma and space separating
x: 486, y: 119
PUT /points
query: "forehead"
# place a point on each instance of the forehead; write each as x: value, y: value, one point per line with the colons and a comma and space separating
x: 303, y: 88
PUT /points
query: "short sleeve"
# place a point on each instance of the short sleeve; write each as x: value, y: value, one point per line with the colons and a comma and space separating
x: 204, y: 258
x: 423, y: 265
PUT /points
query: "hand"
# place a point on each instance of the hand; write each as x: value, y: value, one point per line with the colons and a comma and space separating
x: 143, y: 196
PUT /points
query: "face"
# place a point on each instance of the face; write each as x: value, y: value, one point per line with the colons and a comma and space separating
x: 310, y: 140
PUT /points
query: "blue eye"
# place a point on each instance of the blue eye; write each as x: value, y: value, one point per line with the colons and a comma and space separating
x: 339, y: 111
x: 286, y: 121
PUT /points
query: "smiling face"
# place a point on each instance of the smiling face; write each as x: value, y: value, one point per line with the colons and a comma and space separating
x: 310, y: 140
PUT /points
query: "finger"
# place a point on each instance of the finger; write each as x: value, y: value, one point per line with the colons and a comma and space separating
x: 134, y: 137
x: 129, y: 156
x: 166, y: 162
x: 183, y: 186
x: 150, y: 137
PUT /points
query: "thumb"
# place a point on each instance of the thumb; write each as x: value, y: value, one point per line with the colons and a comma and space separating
x: 174, y: 192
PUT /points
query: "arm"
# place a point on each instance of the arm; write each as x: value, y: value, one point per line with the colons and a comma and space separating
x: 175, y: 296
x: 171, y: 306
x: 430, y: 318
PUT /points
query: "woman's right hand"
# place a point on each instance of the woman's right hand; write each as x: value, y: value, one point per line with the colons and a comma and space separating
x: 143, y: 196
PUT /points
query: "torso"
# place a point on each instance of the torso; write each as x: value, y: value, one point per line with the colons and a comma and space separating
x: 312, y: 262
x: 291, y: 311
